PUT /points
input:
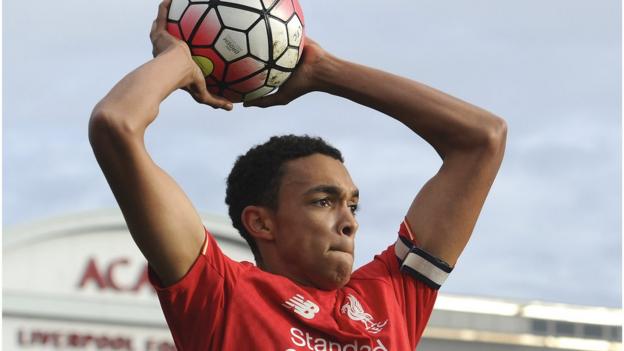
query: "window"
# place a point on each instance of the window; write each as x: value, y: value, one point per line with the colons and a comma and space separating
x: 616, y: 334
x: 539, y: 326
x: 564, y: 328
x: 592, y: 331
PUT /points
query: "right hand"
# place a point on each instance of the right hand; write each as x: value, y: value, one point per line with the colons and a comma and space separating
x: 195, y: 82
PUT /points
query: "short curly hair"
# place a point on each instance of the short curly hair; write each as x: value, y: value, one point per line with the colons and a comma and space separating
x: 256, y: 176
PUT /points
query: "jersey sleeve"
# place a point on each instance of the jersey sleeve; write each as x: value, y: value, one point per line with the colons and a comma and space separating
x: 415, y: 277
x: 194, y: 306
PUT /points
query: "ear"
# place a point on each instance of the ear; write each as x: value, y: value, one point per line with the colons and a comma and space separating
x: 258, y: 221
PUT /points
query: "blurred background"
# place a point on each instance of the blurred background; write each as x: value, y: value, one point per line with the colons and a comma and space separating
x: 550, y: 230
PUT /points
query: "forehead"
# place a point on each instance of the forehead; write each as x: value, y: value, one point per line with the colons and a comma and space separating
x: 306, y: 172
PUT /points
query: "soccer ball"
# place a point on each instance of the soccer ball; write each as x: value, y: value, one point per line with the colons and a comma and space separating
x: 245, y: 48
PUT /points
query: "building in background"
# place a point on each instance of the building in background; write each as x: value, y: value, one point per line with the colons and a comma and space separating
x: 79, y: 283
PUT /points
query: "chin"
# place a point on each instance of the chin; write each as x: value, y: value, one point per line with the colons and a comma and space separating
x: 338, y: 277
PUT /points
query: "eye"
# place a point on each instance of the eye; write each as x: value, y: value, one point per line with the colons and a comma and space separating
x: 354, y: 208
x: 323, y: 202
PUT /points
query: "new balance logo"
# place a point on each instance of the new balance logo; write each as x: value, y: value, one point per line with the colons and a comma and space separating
x: 356, y: 312
x: 306, y: 309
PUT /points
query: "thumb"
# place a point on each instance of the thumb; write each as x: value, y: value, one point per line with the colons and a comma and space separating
x: 163, y: 11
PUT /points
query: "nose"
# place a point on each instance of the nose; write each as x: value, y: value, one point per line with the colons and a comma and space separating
x: 347, y: 225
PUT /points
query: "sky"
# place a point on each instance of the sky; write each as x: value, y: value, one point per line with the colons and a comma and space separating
x: 551, y: 227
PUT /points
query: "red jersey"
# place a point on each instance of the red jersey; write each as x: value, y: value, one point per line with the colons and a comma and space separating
x: 224, y: 305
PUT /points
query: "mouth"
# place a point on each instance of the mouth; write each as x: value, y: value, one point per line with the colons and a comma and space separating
x: 341, y: 249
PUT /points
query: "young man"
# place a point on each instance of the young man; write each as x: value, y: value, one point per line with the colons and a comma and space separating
x: 294, y: 202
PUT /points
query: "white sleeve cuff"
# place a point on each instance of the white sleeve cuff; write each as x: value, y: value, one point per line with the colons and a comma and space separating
x: 426, y: 268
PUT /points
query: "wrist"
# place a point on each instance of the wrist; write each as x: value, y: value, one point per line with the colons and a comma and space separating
x: 180, y: 58
x: 328, y: 73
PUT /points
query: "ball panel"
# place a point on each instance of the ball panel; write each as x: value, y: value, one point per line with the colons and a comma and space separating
x: 301, y: 47
x: 204, y: 64
x: 295, y: 31
x: 258, y: 93
x: 259, y: 41
x: 210, y: 81
x: 280, y: 37
x: 190, y: 18
x: 283, y: 10
x: 277, y: 77
x: 174, y: 30
x: 268, y: 3
x: 208, y: 29
x: 176, y: 9
x: 299, y: 11
x: 289, y: 59
x: 243, y: 68
x: 252, y: 83
x: 217, y: 61
x: 214, y: 90
x: 231, y: 44
x: 256, y: 4
x: 237, y: 18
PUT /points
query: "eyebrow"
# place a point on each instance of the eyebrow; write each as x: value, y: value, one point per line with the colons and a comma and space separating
x: 331, y: 190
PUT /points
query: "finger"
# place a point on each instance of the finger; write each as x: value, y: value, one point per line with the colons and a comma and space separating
x: 220, y: 103
x: 259, y: 102
x: 206, y: 98
x: 214, y: 102
x: 153, y: 31
x: 161, y: 18
x: 160, y: 22
x: 224, y: 104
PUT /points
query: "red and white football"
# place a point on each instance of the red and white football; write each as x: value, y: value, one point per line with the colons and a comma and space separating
x: 246, y: 48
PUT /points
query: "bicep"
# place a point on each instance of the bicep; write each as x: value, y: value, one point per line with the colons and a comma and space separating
x: 445, y: 211
x: 162, y: 220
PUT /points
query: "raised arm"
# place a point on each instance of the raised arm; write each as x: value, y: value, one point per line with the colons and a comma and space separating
x: 160, y: 217
x: 470, y: 141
